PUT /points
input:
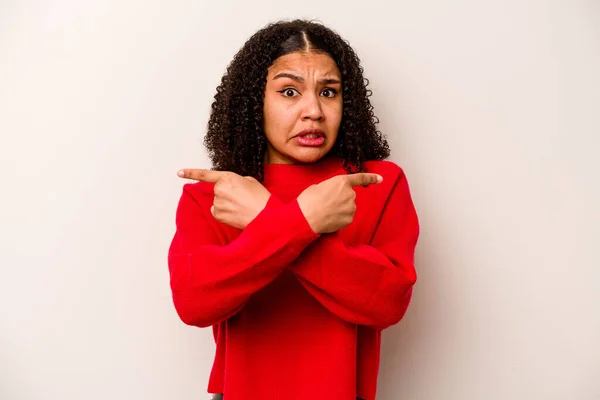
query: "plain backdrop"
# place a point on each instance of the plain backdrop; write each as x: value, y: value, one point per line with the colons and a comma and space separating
x: 491, y: 107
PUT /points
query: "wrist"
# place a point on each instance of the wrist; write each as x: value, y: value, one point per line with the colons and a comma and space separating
x: 312, y: 218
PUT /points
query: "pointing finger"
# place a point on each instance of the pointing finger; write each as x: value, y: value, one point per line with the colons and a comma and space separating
x: 363, y: 179
x: 203, y: 175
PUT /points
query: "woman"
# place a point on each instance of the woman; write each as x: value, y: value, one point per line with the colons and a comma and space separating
x: 297, y: 248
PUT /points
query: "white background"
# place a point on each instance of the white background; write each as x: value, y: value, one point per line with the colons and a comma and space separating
x: 491, y: 107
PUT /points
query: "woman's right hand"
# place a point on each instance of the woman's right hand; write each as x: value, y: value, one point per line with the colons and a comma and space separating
x: 238, y: 199
x: 329, y: 206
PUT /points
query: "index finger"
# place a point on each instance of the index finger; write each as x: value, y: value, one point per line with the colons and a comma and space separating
x: 364, y: 178
x: 203, y: 175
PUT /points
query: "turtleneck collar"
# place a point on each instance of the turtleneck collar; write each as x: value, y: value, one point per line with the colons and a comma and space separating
x: 303, y: 173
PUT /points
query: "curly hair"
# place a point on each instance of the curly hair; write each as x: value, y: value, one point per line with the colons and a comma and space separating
x: 235, y: 139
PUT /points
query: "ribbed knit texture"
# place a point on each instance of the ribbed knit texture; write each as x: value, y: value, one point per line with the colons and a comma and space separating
x: 296, y: 315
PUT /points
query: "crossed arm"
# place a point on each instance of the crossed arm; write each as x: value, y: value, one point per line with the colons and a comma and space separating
x: 366, y: 285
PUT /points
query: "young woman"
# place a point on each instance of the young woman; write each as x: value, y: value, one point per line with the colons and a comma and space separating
x: 297, y: 247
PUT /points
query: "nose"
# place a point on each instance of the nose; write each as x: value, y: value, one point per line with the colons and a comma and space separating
x: 313, y: 109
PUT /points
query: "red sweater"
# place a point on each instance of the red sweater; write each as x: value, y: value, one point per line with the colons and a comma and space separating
x: 296, y: 315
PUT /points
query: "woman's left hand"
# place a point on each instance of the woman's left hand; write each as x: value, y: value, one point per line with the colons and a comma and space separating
x: 238, y: 199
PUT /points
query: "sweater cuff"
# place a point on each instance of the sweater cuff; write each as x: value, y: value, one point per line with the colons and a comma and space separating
x: 274, y: 202
x: 288, y: 219
x: 301, y: 222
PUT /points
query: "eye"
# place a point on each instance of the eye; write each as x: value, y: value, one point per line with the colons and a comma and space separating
x: 289, y: 92
x: 329, y: 92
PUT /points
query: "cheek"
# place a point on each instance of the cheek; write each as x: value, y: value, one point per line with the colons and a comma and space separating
x: 335, y: 114
x: 276, y: 124
x: 335, y: 120
x: 278, y: 117
x: 270, y: 117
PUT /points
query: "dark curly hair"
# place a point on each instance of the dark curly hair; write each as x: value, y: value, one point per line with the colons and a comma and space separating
x: 235, y: 139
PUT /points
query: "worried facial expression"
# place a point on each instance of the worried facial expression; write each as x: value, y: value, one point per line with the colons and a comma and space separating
x: 302, y: 108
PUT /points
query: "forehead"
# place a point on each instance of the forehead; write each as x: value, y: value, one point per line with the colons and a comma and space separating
x: 305, y: 62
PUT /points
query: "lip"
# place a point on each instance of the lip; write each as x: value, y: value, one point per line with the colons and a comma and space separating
x: 307, y: 132
x: 303, y: 140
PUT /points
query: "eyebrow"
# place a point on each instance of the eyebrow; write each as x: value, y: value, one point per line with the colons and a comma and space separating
x: 299, y: 79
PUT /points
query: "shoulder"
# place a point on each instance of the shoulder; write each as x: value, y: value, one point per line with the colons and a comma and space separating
x: 389, y: 170
x: 195, y: 202
x: 394, y: 182
x: 200, y: 192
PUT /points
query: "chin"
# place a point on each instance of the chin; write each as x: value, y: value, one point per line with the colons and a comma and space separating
x: 309, y: 157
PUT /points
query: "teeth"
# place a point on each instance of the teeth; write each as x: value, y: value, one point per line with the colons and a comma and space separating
x: 311, y: 136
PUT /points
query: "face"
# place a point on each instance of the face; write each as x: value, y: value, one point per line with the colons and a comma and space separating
x: 302, y: 108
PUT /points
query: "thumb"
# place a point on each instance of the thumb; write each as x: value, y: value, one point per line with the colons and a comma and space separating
x: 363, y: 179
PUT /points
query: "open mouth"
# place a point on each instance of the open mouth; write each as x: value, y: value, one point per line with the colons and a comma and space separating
x: 311, y: 138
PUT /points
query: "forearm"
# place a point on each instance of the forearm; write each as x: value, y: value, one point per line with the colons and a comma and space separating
x: 210, y: 282
x: 359, y: 284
